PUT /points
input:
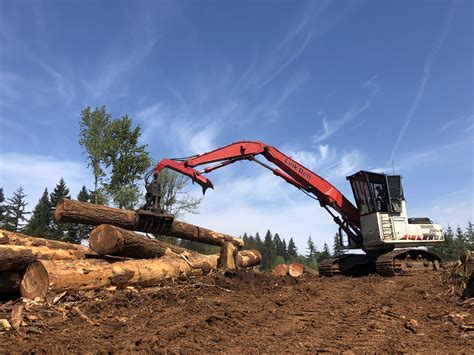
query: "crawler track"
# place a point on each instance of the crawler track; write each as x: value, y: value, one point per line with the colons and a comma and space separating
x: 406, y: 261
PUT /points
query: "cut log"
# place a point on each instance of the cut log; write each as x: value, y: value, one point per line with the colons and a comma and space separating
x: 70, y: 211
x: 228, y: 257
x: 9, y: 282
x: 280, y: 270
x: 11, y: 238
x: 248, y: 258
x: 44, y: 276
x: 18, y: 257
x: 109, y: 240
x: 296, y: 269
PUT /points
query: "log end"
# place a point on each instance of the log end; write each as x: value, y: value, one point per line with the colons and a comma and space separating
x: 35, y: 282
x: 104, y: 239
x: 280, y: 270
x: 296, y: 269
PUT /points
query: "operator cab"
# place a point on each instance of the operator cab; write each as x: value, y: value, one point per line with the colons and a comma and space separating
x: 376, y: 192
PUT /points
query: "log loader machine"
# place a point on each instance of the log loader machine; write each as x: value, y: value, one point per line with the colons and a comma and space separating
x: 379, y: 225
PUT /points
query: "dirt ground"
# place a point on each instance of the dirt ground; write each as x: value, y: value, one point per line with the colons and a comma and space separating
x: 252, y: 312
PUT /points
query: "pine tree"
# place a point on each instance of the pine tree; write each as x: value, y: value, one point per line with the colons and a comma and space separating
x: 59, y: 192
x: 470, y: 235
x: 268, y: 251
x: 284, y: 249
x: 40, y: 221
x: 15, y: 211
x: 460, y: 242
x: 292, y: 250
x: 258, y: 243
x: 3, y: 208
x: 311, y: 249
x: 278, y: 243
x: 325, y: 253
x: 60, y: 231
x: 337, y: 248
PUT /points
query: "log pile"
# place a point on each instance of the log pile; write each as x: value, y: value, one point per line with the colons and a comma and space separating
x: 119, y: 255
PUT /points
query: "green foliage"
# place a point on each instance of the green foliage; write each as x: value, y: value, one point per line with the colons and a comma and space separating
x: 116, y: 159
x: 336, y: 247
x: 292, y: 250
x: 268, y: 252
x: 41, y: 219
x: 175, y: 199
x: 312, y: 250
x: 16, y: 214
x: 454, y: 245
x: 128, y: 162
x: 59, y: 231
x: 3, y: 208
x: 93, y: 138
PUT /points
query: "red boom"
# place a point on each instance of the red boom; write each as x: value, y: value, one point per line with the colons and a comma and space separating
x: 291, y: 171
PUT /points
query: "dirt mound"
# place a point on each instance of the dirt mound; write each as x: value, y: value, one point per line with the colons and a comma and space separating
x: 257, y: 312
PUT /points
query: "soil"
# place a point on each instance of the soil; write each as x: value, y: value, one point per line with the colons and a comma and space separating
x: 251, y: 312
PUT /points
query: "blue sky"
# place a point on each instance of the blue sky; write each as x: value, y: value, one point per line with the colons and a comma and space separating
x: 338, y: 85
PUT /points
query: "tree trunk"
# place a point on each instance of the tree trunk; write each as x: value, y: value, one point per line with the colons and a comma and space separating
x: 228, y: 257
x: 70, y: 211
x: 9, y: 282
x: 109, y: 240
x: 11, y: 238
x: 280, y: 270
x: 296, y: 270
x: 46, y: 276
x: 18, y: 257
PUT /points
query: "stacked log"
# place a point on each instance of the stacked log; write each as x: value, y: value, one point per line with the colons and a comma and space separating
x: 17, y: 251
x: 119, y: 256
x: 70, y: 211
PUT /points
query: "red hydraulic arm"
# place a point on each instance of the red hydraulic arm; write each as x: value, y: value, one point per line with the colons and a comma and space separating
x: 291, y: 171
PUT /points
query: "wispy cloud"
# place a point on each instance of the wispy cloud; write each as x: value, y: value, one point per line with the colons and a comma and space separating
x: 35, y: 172
x: 425, y: 76
x: 330, y: 127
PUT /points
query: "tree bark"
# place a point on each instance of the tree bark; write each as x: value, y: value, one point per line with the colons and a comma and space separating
x: 9, y: 282
x: 11, y: 238
x: 46, y: 276
x: 110, y: 240
x: 228, y: 257
x: 71, y: 211
x: 18, y: 257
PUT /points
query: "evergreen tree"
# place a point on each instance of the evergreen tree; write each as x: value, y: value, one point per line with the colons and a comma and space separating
x: 470, y: 235
x: 60, y: 231
x: 40, y: 221
x: 325, y: 253
x: 337, y: 248
x: 15, y: 211
x: 59, y: 192
x: 311, y: 249
x: 460, y: 242
x: 3, y: 208
x: 292, y: 250
x: 280, y: 248
x: 258, y: 243
x: 268, y: 251
x: 284, y: 249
